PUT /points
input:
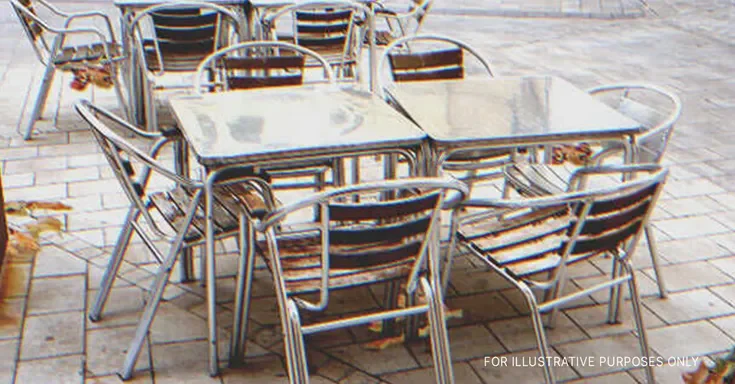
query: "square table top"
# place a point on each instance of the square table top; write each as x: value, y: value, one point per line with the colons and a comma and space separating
x: 508, y: 111
x: 274, y: 124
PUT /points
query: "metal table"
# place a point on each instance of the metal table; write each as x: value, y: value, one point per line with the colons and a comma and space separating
x: 278, y: 126
x: 511, y: 112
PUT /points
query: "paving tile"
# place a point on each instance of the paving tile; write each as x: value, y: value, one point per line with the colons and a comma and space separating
x: 726, y: 324
x: 689, y: 306
x: 93, y: 187
x: 689, y: 227
x: 66, y: 369
x: 680, y: 251
x: 465, y: 343
x: 8, y: 355
x: 615, y: 378
x: 692, y: 187
x: 463, y: 373
x: 139, y: 378
x: 54, y: 261
x: 18, y: 153
x: 106, y: 349
x: 32, y: 165
x: 472, y: 281
x: 81, y: 159
x: 67, y: 175
x: 57, y: 150
x: 11, y: 316
x: 517, y: 367
x: 55, y: 294
x: 182, y: 362
x: 606, y: 352
x: 517, y: 334
x: 726, y: 264
x: 260, y: 370
x: 699, y: 274
x: 18, y: 180
x: 480, y: 308
x: 52, y: 335
x: 726, y: 292
x: 51, y: 192
x: 691, y: 339
x: 391, y: 359
x: 173, y: 324
x: 697, y: 205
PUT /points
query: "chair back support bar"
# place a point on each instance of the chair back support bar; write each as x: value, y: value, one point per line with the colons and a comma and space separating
x: 438, y: 65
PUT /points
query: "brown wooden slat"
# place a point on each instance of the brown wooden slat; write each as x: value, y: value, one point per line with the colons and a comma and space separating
x: 238, y: 82
x: 441, y: 58
x: 330, y: 16
x: 382, y: 209
x: 201, y: 33
x: 178, y: 12
x: 264, y: 62
x: 322, y: 42
x: 619, y: 203
x: 323, y: 28
x: 441, y: 74
x: 164, y: 20
x: 372, y: 234
x: 607, y: 242
x: 374, y: 256
x: 597, y: 225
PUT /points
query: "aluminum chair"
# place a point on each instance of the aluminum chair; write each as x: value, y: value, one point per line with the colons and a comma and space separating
x: 54, y: 52
x: 401, y: 23
x: 332, y: 28
x: 642, y: 103
x: 357, y: 243
x: 531, y: 242
x: 432, y: 58
x: 173, y: 38
x: 176, y: 215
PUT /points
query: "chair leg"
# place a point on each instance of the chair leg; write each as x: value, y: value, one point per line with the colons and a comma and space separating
x: 244, y: 292
x: 159, y: 285
x: 638, y: 315
x: 613, y: 305
x: 41, y: 97
x: 653, y: 250
x: 538, y: 328
x: 95, y: 313
x: 439, y: 336
x: 299, y: 347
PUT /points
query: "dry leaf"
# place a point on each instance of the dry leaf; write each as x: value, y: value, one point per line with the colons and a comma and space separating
x: 44, y: 224
x: 47, y: 205
x: 16, y: 208
x: 376, y: 326
x: 379, y: 345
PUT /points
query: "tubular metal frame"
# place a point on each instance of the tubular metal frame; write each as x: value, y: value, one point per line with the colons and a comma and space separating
x: 200, y: 191
x: 138, y: 50
x: 290, y: 307
x: 398, y: 22
x: 47, y: 52
x: 584, y: 199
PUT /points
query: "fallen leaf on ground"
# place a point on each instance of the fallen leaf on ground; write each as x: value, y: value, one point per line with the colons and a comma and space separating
x: 44, y: 224
x: 47, y: 205
x: 379, y: 345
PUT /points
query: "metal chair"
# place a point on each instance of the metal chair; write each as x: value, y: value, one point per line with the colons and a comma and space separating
x: 401, y: 23
x: 531, y: 242
x: 642, y: 103
x: 52, y: 49
x: 173, y: 38
x: 357, y: 243
x: 332, y: 28
x: 437, y: 58
x: 177, y: 214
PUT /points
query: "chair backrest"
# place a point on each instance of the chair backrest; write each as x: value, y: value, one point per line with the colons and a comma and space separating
x: 182, y: 34
x: 373, y: 233
x: 643, y: 103
x: 256, y: 65
x: 441, y: 58
x: 34, y: 27
x: 323, y: 26
x: 545, y: 234
x: 131, y: 165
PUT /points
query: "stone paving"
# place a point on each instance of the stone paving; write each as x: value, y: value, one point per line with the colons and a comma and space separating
x: 683, y: 45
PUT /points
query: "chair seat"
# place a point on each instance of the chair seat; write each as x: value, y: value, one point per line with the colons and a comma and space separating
x: 229, y: 200
x: 86, y: 53
x: 301, y: 263
x: 547, y: 179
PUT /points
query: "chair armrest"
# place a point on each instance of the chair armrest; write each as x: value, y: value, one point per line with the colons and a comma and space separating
x: 53, y: 8
x: 89, y: 14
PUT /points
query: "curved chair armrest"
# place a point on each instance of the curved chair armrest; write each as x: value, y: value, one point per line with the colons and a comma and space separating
x: 89, y: 14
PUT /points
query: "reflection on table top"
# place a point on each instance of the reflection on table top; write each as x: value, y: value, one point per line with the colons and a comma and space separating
x: 268, y: 124
x: 148, y: 3
x: 508, y: 110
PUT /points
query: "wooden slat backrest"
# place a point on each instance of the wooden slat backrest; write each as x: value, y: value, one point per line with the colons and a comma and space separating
x: 263, y: 71
x: 433, y: 65
x: 381, y: 232
x: 322, y: 29
x: 184, y: 35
